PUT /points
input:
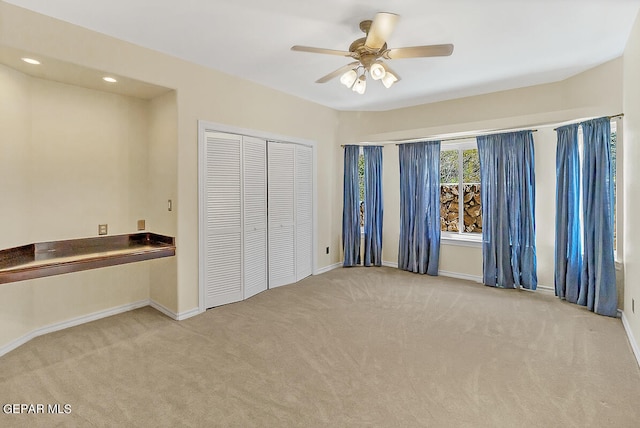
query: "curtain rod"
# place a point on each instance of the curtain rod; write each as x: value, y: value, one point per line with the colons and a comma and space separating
x: 427, y: 139
x: 608, y: 117
x: 466, y: 137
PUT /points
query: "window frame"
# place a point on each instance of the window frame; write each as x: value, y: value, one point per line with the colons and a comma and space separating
x: 460, y: 238
x: 616, y: 123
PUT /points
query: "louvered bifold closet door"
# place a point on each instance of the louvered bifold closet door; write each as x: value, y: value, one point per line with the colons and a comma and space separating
x: 223, y: 220
x: 304, y: 211
x: 254, y: 164
x: 281, y: 190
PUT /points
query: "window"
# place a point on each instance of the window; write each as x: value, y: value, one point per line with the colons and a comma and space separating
x: 460, y: 197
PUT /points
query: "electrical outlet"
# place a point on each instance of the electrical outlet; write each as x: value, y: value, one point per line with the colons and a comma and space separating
x: 633, y: 306
x: 141, y: 225
x: 102, y: 229
x: 169, y: 205
x: 327, y: 250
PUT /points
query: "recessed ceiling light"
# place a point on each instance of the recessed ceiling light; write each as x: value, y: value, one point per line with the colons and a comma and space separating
x: 109, y: 79
x: 31, y: 61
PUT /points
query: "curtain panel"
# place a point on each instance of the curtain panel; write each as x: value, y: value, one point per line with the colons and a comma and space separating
x: 419, y: 241
x: 584, y: 260
x: 568, y: 247
x: 508, y: 208
x: 351, y: 207
x: 598, y: 282
x: 372, y: 205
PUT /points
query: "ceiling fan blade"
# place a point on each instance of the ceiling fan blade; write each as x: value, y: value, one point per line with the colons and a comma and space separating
x: 418, y: 51
x: 320, y: 50
x: 337, y: 72
x: 381, y: 28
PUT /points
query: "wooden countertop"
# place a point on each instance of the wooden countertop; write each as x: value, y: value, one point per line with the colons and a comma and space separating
x: 60, y: 257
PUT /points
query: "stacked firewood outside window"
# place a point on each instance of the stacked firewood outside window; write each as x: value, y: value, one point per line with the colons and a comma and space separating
x: 450, y: 208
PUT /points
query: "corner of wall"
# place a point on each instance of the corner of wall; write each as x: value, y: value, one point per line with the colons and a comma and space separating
x: 631, y: 183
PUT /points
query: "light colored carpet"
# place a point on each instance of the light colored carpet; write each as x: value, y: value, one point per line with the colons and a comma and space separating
x: 353, y: 347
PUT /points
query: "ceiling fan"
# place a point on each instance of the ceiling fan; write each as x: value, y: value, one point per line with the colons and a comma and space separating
x: 369, y: 52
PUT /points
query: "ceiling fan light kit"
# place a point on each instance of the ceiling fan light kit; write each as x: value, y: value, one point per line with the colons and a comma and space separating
x: 389, y: 79
x: 349, y: 78
x: 361, y: 85
x: 368, y: 52
x: 377, y: 71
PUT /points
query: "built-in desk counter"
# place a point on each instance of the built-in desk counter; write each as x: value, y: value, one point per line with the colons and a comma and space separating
x: 59, y: 257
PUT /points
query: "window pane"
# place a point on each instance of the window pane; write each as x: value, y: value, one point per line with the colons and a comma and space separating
x: 472, y: 208
x: 449, y: 208
x: 470, y: 166
x: 448, y: 166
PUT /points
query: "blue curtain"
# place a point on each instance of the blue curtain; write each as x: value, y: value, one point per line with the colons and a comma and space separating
x: 419, y: 246
x: 372, y: 205
x: 508, y: 207
x: 568, y: 251
x: 351, y: 207
x: 598, y: 288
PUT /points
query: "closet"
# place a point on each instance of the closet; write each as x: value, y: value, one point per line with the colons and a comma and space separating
x: 256, y: 215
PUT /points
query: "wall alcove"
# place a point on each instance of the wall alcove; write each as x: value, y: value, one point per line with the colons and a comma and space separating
x: 77, y: 152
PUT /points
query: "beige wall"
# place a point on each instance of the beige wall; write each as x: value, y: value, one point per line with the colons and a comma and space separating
x: 162, y: 174
x: 15, y: 110
x: 16, y: 314
x: 87, y: 162
x: 71, y: 158
x: 632, y: 179
x: 596, y: 92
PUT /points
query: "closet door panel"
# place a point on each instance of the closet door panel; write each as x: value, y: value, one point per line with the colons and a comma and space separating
x: 223, y: 220
x: 223, y: 270
x: 281, y: 257
x: 281, y: 193
x: 304, y: 211
x: 254, y: 163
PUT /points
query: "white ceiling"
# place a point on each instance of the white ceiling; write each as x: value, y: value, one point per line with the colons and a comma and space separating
x: 499, y: 44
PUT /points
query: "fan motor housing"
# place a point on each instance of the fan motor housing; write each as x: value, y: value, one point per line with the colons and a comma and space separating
x: 358, y: 47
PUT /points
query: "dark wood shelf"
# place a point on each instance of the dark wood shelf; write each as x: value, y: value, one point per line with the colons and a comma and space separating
x: 60, y: 257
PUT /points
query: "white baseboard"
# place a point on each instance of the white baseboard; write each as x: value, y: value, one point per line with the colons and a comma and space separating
x: 71, y: 323
x: 632, y: 340
x: 464, y: 276
x: 93, y: 317
x: 443, y: 273
x: 188, y: 314
x: 327, y: 268
x: 173, y: 315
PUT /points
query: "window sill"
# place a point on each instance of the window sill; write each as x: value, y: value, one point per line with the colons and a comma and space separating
x: 461, y: 241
